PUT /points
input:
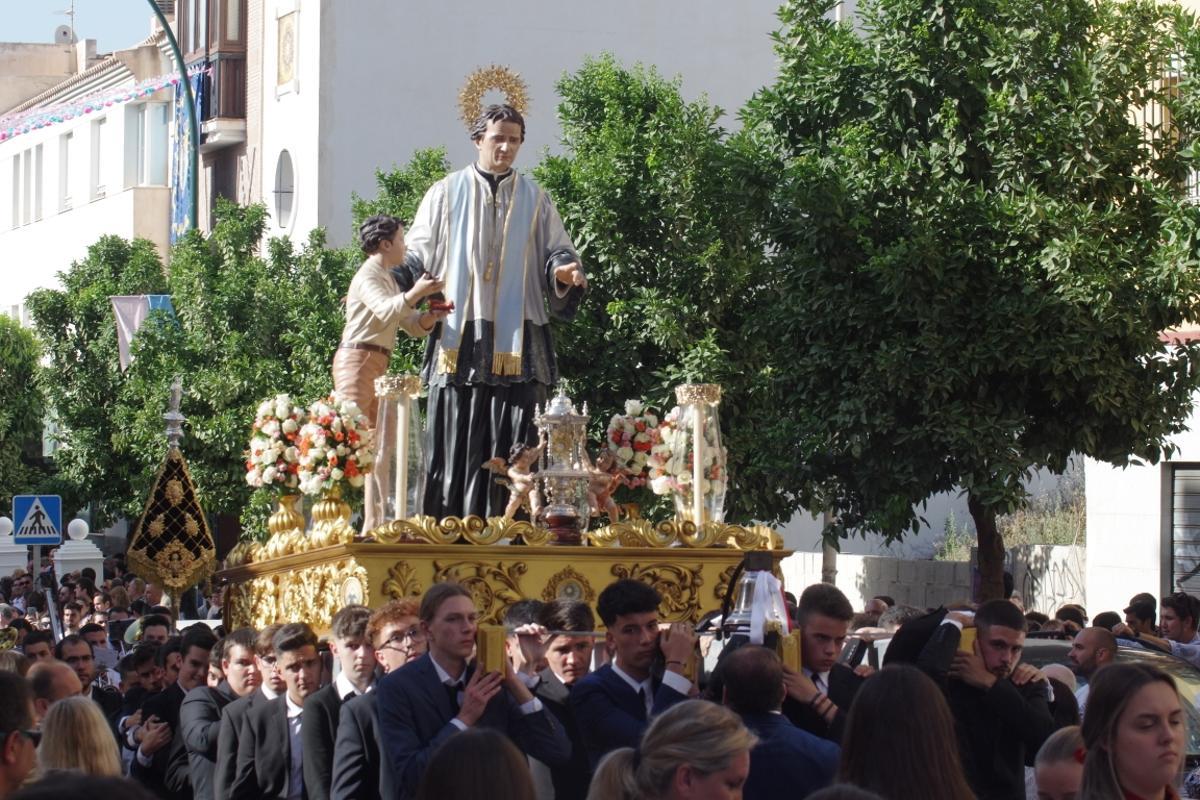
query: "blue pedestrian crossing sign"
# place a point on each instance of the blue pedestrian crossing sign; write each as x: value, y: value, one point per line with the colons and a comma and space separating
x: 38, y: 519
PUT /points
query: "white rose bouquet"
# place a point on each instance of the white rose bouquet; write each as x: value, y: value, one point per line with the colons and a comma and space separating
x: 272, y: 458
x: 334, y: 447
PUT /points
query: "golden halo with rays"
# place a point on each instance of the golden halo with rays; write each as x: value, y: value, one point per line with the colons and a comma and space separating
x: 502, y: 79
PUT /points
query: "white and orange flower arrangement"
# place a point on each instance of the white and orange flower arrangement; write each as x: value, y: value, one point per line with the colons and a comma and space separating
x: 273, y: 458
x: 334, y: 447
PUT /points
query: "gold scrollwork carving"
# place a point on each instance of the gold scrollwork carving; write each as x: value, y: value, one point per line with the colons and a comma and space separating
x: 493, y: 587
x: 567, y: 584
x: 313, y: 594
x: 642, y: 533
x: 453, y: 530
x: 723, y: 582
x: 402, y: 582
x: 678, y: 585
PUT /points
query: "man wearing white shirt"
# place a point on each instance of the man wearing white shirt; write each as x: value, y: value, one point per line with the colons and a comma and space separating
x: 234, y: 714
x: 429, y: 700
x: 1091, y: 649
x: 270, y: 760
x: 356, y: 657
x: 1178, y: 620
x: 614, y: 704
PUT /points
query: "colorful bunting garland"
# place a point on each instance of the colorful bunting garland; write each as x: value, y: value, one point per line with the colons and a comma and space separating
x: 16, y: 124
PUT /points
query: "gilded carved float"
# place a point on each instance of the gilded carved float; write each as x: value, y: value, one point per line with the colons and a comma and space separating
x: 312, y: 574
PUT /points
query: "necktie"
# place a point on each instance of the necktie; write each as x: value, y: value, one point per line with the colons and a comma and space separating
x: 642, y: 699
x: 452, y: 693
x: 819, y: 683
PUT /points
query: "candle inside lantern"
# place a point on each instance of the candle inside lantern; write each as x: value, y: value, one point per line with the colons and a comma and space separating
x: 697, y: 463
x: 402, y: 407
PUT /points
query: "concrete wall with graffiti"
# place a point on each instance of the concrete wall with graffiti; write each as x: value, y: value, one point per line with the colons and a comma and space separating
x: 1044, y: 576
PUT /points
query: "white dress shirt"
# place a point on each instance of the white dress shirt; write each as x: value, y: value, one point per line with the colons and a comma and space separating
x: 672, y: 679
x: 532, y: 707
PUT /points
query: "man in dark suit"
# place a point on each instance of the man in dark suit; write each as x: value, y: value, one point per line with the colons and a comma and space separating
x: 354, y: 653
x: 429, y: 700
x: 787, y: 761
x: 235, y: 713
x: 152, y: 761
x: 270, y: 760
x: 79, y: 655
x: 614, y: 704
x: 359, y: 768
x: 569, y: 660
x: 200, y: 714
x: 1000, y: 707
x: 820, y: 694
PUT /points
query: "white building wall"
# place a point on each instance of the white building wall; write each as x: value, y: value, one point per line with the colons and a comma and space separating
x: 390, y: 74
x: 37, y: 248
x: 1128, y: 515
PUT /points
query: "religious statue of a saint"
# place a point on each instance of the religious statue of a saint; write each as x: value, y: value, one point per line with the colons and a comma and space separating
x: 495, y: 239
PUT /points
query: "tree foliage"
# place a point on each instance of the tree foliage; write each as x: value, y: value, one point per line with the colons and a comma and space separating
x: 978, y: 239
x: 659, y: 200
x: 83, y: 375
x: 21, y: 467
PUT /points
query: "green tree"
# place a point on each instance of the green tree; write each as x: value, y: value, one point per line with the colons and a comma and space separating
x: 83, y: 373
x: 248, y: 327
x: 21, y: 416
x: 979, y: 229
x: 660, y: 202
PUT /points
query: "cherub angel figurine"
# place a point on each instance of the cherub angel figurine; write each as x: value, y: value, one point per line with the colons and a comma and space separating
x: 517, y: 475
x: 603, y: 481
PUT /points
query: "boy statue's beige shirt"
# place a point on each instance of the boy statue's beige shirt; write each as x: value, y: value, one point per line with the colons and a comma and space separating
x: 375, y: 308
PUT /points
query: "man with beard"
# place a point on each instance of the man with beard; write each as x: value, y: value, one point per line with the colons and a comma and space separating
x: 1000, y: 707
x: 1092, y: 649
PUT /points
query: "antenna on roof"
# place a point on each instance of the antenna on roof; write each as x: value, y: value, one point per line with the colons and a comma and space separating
x: 70, y: 15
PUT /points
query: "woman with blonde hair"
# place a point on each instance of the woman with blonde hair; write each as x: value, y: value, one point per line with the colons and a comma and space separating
x: 1058, y: 769
x: 694, y: 749
x: 75, y: 736
x: 1134, y: 731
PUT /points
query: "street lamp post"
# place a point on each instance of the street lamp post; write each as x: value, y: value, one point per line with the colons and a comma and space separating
x: 193, y: 151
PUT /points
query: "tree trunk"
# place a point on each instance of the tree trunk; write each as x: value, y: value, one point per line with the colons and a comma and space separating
x: 991, y: 550
x: 829, y: 554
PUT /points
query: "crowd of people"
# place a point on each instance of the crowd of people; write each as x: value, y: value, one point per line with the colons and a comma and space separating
x: 113, y: 697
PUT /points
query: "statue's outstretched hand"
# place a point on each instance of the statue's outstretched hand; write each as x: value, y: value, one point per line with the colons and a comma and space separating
x: 570, y: 275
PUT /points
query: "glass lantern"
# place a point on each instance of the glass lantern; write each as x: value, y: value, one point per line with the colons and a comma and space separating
x: 704, y: 464
x: 563, y: 475
x: 397, y: 482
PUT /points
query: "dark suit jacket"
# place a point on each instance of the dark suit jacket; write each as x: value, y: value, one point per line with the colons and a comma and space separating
x: 159, y: 777
x: 359, y: 768
x: 843, y: 686
x: 228, y: 738
x: 999, y: 730
x: 110, y: 703
x: 199, y: 727
x: 415, y: 713
x: 570, y: 780
x: 264, y: 759
x: 787, y: 761
x: 609, y: 713
x: 319, y: 733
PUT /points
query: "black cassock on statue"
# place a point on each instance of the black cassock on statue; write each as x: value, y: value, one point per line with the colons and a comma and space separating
x: 474, y: 414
